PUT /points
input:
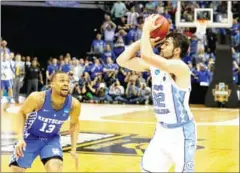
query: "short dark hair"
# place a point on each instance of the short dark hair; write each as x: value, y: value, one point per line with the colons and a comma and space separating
x: 180, y: 41
x: 55, y: 74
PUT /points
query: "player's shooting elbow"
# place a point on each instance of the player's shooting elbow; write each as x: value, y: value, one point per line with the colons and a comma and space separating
x: 146, y: 56
x: 121, y: 60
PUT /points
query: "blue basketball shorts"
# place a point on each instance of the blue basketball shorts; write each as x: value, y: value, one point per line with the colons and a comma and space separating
x: 36, y: 146
x: 6, y: 84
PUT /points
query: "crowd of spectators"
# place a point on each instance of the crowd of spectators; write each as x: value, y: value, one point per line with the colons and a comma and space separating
x: 98, y: 78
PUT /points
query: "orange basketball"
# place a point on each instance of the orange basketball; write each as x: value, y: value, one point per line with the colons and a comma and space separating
x: 163, y: 30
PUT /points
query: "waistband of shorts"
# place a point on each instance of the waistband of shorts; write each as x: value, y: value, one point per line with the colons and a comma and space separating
x: 172, y: 126
x: 34, y: 137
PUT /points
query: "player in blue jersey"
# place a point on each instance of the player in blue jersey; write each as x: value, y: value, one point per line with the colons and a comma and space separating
x: 174, y: 140
x: 40, y: 119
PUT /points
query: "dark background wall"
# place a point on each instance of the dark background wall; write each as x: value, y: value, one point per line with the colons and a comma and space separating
x: 45, y: 32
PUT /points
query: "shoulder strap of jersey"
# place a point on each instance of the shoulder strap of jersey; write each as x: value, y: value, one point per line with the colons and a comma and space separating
x: 48, y: 98
x: 68, y: 104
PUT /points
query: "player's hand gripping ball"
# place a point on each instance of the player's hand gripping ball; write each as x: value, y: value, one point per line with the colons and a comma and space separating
x: 158, y: 26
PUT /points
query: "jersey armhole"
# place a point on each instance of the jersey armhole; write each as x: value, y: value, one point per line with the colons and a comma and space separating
x: 40, y: 107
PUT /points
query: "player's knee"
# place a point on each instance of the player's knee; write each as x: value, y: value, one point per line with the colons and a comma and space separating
x: 17, y: 169
x: 54, y: 165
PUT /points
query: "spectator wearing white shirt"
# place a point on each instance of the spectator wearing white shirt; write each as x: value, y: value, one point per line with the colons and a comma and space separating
x: 76, y: 69
x: 108, y: 28
x: 132, y: 17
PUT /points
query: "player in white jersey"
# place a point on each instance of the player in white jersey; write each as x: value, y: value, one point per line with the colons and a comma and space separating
x: 7, y: 76
x: 174, y: 140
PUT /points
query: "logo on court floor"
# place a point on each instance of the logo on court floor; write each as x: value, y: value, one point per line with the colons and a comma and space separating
x: 115, y: 144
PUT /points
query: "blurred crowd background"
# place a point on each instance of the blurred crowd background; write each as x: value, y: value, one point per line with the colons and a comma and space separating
x: 97, y: 78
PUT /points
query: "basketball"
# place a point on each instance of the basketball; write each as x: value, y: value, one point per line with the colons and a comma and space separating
x: 163, y: 30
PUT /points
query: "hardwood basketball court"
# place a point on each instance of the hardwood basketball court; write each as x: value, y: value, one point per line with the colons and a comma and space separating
x: 113, y: 138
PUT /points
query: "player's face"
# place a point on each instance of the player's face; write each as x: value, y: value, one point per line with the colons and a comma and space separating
x: 167, y: 49
x: 61, y: 84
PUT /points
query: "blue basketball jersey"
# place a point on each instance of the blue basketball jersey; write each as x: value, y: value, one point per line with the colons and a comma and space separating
x: 47, y: 122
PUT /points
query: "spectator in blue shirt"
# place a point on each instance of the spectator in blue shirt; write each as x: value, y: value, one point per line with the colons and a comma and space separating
x: 122, y: 73
x: 97, y: 69
x: 110, y: 71
x: 203, y: 74
x: 187, y: 59
x: 51, y: 69
x: 119, y: 47
x: 193, y: 45
x: 98, y: 45
x: 67, y: 66
x: 132, y: 33
x: 166, y: 14
x: 108, y: 53
x: 88, y: 66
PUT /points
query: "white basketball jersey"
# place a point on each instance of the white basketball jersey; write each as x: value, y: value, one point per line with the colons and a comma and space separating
x: 170, y: 102
x: 6, y: 70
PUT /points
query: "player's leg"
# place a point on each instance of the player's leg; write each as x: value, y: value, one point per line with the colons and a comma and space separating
x: 184, y: 153
x: 31, y: 152
x: 53, y: 164
x: 155, y: 158
x: 52, y: 155
x: 10, y: 91
x: 16, y: 168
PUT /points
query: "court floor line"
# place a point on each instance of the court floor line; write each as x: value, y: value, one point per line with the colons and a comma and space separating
x: 234, y: 122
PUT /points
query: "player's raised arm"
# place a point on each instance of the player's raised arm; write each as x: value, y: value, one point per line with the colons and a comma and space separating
x: 74, y: 128
x: 175, y: 66
x: 128, y: 60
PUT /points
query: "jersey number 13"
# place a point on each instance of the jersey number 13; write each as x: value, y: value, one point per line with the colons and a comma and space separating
x: 47, y: 128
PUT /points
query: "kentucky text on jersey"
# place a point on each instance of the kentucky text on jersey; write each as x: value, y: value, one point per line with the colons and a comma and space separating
x: 49, y: 120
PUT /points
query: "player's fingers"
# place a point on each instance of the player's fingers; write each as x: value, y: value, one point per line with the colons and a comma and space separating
x: 156, y: 39
x: 157, y: 26
x: 155, y: 17
x: 162, y: 40
x: 19, y: 151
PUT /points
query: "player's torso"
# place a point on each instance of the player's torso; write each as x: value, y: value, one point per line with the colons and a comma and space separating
x: 6, y: 71
x: 47, y: 122
x: 170, y: 103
